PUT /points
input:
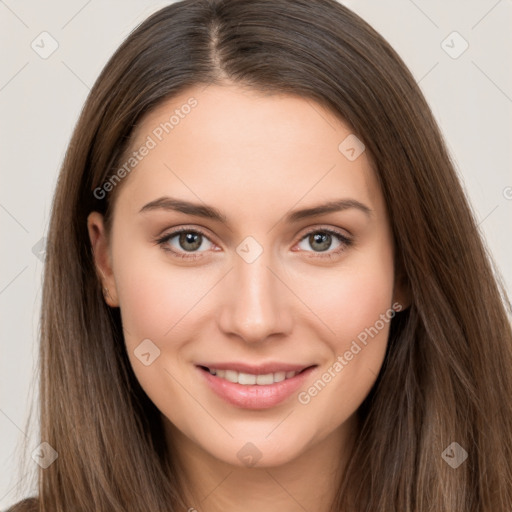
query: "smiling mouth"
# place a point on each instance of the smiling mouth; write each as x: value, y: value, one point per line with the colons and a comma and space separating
x: 249, y: 379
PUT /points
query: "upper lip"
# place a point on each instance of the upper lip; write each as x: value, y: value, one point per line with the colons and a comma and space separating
x: 260, y: 369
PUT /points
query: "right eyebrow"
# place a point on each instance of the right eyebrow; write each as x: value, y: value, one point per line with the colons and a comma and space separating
x: 178, y: 205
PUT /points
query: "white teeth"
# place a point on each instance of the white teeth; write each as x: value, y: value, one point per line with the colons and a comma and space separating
x: 249, y: 379
x: 280, y: 376
x: 265, y: 380
x: 231, y: 375
x: 246, y: 378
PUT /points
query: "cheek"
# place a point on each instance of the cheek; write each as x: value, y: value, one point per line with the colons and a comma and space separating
x: 357, y: 302
x: 155, y: 297
x: 352, y: 296
x: 356, y: 306
x: 157, y: 303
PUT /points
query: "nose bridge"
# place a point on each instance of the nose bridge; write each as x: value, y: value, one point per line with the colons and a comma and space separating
x: 253, y: 307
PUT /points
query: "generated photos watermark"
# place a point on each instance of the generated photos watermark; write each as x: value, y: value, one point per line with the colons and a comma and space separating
x: 305, y: 397
x: 151, y: 142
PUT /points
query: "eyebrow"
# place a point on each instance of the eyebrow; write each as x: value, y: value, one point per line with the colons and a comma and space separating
x: 200, y: 210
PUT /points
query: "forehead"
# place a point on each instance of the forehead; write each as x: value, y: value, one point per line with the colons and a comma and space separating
x: 239, y: 148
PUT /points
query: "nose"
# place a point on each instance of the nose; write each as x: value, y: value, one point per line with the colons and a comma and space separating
x: 255, y: 304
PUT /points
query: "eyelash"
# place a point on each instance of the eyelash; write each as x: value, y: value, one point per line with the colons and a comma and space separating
x: 345, y: 242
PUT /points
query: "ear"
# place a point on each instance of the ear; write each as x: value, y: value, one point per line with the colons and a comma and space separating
x: 102, y: 257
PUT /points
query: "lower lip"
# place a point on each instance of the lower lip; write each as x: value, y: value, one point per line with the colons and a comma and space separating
x: 255, y: 396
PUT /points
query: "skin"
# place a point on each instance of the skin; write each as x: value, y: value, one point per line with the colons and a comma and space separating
x: 255, y: 158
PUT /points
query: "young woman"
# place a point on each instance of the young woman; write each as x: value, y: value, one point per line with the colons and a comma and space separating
x: 264, y: 288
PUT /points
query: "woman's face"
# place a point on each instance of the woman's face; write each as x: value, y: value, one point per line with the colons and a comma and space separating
x: 284, y: 265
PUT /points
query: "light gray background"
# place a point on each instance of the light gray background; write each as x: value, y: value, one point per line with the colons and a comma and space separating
x: 40, y: 100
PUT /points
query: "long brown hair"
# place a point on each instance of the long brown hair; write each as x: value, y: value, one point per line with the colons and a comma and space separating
x: 447, y: 374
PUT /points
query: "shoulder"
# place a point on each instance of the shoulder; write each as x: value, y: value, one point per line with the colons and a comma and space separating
x: 26, y: 505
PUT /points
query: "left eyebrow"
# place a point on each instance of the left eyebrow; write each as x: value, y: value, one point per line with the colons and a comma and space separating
x: 329, y: 207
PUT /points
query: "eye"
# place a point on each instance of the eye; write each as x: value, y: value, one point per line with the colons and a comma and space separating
x: 321, y: 240
x: 183, y: 241
x: 186, y: 242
